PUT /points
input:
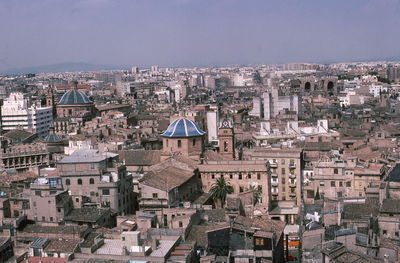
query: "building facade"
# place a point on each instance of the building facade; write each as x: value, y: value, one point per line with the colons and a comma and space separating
x: 97, y: 179
x: 16, y: 113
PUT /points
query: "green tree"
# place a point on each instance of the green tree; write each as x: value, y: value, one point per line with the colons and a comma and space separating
x: 220, y: 189
x: 256, y: 193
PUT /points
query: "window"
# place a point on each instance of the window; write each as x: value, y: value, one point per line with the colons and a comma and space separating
x: 348, y: 184
x: 155, y: 195
x: 79, y: 181
x: 179, y: 143
x: 38, y: 193
x: 166, y: 141
x: 194, y: 142
x: 91, y: 181
x: 51, y: 219
x: 231, y: 176
x: 259, y: 241
x: 249, y: 176
x: 212, y: 176
x: 240, y: 176
x: 123, y: 238
x: 180, y: 224
x: 225, y: 146
x: 92, y: 166
x: 283, y: 180
x: 333, y: 183
x: 283, y: 161
x: 335, y: 171
x: 340, y: 184
x: 241, y: 189
x: 106, y: 192
x: 43, y: 218
x: 396, y: 234
x: 384, y: 232
x: 283, y: 171
x: 77, y: 200
x: 258, y: 176
x: 310, y: 193
x: 322, y: 183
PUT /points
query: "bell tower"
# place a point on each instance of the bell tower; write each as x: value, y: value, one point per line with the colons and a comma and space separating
x: 50, y: 100
x: 226, y: 137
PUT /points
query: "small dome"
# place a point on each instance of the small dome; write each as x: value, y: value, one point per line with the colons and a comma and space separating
x: 52, y: 138
x: 73, y: 97
x: 183, y: 128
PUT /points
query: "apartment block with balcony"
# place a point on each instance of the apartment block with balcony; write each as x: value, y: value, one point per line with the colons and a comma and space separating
x: 286, y: 179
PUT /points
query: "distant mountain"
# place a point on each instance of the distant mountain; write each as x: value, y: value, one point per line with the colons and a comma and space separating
x: 62, y: 67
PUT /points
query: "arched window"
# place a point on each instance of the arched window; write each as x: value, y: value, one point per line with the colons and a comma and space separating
x: 67, y: 182
x: 79, y: 181
x: 91, y: 181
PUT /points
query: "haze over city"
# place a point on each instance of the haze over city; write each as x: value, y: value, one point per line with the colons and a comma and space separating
x: 196, y: 33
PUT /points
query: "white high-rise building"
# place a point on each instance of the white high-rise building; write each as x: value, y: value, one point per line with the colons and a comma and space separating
x: 17, y: 113
x: 269, y: 104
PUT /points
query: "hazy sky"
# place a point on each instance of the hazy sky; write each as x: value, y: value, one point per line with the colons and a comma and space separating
x: 196, y: 32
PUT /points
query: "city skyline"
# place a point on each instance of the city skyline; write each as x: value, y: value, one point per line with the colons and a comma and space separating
x: 187, y: 33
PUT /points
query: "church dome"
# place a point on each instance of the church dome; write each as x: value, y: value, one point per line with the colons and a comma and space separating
x: 183, y: 128
x: 73, y: 97
x: 52, y: 138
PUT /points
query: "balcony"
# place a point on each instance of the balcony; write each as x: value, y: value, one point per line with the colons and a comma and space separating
x: 274, y: 183
x: 292, y: 184
x: 273, y: 164
x: 292, y: 176
x: 292, y: 194
x: 275, y: 193
x: 292, y: 166
x: 274, y: 175
x: 153, y: 203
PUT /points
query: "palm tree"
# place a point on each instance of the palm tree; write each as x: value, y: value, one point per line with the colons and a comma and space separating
x: 256, y: 193
x: 220, y: 189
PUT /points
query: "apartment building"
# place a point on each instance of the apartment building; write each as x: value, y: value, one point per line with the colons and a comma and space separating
x: 16, y: 113
x: 97, y: 179
x: 242, y: 176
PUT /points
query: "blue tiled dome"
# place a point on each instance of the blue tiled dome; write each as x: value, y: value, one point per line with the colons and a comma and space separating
x: 183, y: 128
x: 73, y: 96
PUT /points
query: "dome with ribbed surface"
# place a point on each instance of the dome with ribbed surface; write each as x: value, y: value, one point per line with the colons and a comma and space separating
x: 73, y: 97
x: 183, y: 128
x: 52, y: 138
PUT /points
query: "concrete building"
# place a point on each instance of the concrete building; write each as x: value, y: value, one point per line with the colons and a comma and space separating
x: 270, y: 104
x: 286, y: 179
x: 97, y: 179
x: 16, y: 113
x: 48, y: 200
x: 25, y: 156
x: 241, y: 175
